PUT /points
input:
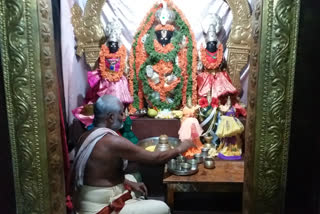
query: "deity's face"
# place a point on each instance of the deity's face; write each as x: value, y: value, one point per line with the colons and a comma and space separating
x: 164, y: 36
x: 113, y: 46
x: 212, y: 46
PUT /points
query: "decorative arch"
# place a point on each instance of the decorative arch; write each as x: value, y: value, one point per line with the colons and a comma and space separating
x: 239, y: 40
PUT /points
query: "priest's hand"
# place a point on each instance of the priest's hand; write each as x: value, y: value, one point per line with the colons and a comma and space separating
x: 138, y: 187
x: 185, y: 145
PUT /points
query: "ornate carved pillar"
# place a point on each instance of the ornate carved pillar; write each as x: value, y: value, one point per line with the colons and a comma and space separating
x: 30, y: 82
x: 275, y: 27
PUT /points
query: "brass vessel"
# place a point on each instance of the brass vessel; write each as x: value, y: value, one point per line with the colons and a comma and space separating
x: 208, y: 143
x: 163, y: 144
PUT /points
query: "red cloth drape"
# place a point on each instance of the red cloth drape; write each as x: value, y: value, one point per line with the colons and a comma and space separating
x: 117, y: 204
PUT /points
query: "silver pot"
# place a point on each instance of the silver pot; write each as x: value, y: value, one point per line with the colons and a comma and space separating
x: 163, y: 144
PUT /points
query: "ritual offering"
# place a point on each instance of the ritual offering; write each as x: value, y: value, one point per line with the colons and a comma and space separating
x: 163, y: 142
x: 152, y: 112
x: 181, y: 166
x: 151, y: 148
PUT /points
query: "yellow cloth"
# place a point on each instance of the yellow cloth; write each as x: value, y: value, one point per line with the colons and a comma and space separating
x: 230, y: 149
x: 229, y: 126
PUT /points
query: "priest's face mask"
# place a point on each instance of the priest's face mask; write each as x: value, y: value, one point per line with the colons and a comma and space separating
x: 164, y: 36
x: 212, y: 46
x: 113, y: 46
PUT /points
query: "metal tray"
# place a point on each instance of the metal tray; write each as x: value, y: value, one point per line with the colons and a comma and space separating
x: 183, y: 172
x: 174, y: 142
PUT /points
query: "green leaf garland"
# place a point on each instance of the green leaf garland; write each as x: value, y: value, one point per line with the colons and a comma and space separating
x: 154, y: 57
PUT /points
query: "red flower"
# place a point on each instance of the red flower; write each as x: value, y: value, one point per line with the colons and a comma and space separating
x: 214, y: 102
x: 203, y: 102
x: 69, y: 203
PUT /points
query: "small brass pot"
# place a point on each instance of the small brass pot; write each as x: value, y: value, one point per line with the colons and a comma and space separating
x: 209, y: 163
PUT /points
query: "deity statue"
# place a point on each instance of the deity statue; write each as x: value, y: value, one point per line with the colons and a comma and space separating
x: 218, y: 97
x: 109, y: 78
x: 229, y: 130
x: 214, y: 78
x: 163, y: 60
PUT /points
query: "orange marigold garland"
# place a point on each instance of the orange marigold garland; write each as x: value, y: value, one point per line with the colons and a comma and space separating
x: 187, y: 58
x: 134, y: 83
x: 163, y: 68
x: 194, y: 55
x: 132, y: 109
x: 112, y: 76
x: 210, y: 65
x: 160, y: 49
x: 183, y: 65
x: 164, y: 27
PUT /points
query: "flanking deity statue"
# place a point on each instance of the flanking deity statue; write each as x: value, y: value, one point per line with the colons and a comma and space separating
x: 163, y: 60
x: 109, y: 78
x: 219, y: 102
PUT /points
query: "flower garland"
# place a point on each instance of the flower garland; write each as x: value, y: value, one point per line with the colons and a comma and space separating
x: 209, y: 65
x: 192, y: 54
x: 134, y: 84
x: 183, y: 65
x: 165, y: 27
x: 160, y: 49
x: 148, y: 90
x: 160, y: 61
x: 168, y: 56
x: 163, y: 68
x: 132, y: 80
x: 187, y: 61
x: 112, y: 76
x: 136, y: 58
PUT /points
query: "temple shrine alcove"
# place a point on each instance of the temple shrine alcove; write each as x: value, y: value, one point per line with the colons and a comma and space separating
x: 165, y: 55
x: 182, y: 68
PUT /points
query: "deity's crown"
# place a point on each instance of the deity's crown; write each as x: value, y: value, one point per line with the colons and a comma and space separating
x: 164, y: 15
x: 113, y: 31
x: 211, y: 26
x: 211, y: 35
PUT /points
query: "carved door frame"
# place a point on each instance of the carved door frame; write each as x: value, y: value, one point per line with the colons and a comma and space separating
x: 29, y: 69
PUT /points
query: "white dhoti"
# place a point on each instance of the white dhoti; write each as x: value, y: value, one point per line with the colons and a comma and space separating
x: 91, y: 200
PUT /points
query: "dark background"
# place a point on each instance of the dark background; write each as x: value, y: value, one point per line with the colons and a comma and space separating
x: 7, y: 197
x: 303, y: 180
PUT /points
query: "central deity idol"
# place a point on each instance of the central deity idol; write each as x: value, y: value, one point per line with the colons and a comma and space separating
x: 163, y: 60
